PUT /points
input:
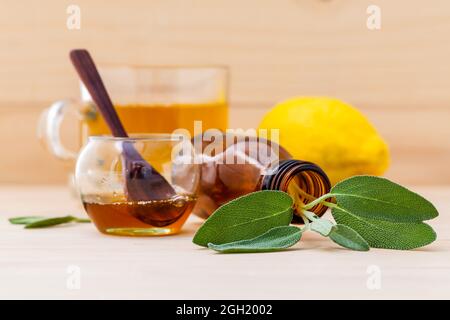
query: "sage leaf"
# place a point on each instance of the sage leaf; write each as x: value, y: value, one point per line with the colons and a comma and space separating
x: 386, y: 234
x: 31, y: 222
x: 322, y: 226
x: 246, y: 217
x: 25, y: 219
x: 49, y: 222
x: 275, y: 239
x: 380, y: 199
x: 348, y: 238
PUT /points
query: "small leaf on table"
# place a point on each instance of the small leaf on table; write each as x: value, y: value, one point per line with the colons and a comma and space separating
x: 25, y: 220
x: 275, y: 239
x: 49, y: 222
x: 34, y: 222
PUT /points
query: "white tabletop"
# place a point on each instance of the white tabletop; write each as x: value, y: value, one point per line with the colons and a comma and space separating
x: 76, y: 262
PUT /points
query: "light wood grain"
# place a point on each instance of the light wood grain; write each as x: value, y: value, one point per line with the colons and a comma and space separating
x: 34, y: 262
x: 418, y: 141
x: 275, y: 49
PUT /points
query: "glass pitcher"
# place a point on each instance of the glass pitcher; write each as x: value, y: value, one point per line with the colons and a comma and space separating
x: 148, y: 99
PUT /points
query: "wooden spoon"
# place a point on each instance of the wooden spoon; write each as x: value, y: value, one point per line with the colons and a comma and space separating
x: 142, y: 181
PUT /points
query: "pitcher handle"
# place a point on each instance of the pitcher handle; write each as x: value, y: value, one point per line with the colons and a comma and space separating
x: 49, y: 128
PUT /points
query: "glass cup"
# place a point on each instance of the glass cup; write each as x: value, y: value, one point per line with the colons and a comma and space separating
x: 148, y: 99
x: 102, y: 186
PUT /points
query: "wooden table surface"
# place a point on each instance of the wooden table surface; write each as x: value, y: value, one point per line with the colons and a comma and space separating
x: 76, y: 262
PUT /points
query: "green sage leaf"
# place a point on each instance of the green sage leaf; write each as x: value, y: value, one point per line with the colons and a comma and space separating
x: 275, y: 239
x: 31, y: 222
x: 348, y: 238
x: 380, y: 199
x: 25, y: 219
x: 49, y: 222
x: 322, y: 226
x: 386, y: 234
x: 246, y: 217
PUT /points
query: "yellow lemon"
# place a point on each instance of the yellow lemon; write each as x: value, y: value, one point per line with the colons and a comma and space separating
x: 330, y: 133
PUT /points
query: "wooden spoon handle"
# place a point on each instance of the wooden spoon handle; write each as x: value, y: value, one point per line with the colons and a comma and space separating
x: 88, y: 73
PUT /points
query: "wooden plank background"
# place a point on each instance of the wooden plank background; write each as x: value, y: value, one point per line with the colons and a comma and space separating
x: 398, y: 76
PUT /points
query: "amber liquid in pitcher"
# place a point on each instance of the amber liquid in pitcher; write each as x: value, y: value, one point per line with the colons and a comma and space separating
x: 143, y: 118
x: 166, y: 216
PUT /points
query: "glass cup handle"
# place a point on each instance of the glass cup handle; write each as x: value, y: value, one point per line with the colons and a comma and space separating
x: 49, y: 129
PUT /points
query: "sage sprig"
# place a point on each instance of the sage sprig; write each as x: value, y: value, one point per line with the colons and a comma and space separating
x: 245, y: 218
x: 369, y: 212
x: 383, y: 213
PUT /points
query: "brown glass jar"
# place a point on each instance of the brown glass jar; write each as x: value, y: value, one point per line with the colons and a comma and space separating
x: 239, y: 165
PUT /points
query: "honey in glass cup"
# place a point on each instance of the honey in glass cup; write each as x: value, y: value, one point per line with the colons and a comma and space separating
x: 102, y: 185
